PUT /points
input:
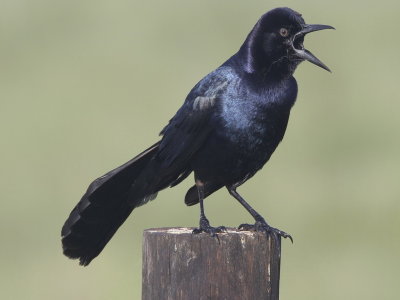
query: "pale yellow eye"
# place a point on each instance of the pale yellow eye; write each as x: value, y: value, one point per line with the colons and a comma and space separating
x: 284, y: 32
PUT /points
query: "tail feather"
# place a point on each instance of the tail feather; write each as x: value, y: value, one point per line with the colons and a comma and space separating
x: 192, y: 196
x: 103, y: 208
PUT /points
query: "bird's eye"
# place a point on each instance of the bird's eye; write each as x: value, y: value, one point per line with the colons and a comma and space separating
x: 284, y: 32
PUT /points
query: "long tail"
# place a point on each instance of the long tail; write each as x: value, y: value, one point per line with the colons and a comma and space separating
x: 107, y: 203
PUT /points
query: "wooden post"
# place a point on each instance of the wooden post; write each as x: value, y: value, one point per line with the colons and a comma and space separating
x: 179, y: 265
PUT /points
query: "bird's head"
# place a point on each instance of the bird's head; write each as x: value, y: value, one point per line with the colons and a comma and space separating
x: 276, y: 43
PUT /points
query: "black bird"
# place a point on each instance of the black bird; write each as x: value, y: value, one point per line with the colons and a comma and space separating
x: 226, y: 130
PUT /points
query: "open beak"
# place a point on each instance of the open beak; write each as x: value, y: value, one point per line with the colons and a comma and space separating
x: 304, y: 53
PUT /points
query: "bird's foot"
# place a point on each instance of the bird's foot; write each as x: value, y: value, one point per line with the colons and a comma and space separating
x: 262, y: 226
x: 205, y: 227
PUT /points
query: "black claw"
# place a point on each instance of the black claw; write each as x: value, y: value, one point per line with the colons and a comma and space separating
x: 221, y: 229
x: 262, y: 226
x: 205, y: 227
x: 246, y: 227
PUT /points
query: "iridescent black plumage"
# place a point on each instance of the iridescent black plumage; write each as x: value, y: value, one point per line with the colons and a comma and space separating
x: 228, y: 127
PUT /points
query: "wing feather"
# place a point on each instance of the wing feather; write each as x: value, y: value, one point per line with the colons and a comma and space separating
x: 188, y: 130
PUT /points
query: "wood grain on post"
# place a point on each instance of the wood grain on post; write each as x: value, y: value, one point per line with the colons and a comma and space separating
x: 179, y: 265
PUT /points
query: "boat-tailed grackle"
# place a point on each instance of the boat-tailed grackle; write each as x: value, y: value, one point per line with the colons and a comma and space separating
x: 226, y: 130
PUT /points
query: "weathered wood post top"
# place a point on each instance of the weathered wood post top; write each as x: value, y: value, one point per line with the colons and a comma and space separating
x: 179, y: 265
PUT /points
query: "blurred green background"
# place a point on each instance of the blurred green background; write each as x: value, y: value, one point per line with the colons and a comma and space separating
x: 86, y: 85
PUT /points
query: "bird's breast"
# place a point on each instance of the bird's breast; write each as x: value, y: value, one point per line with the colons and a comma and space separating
x: 256, y: 120
x: 247, y: 129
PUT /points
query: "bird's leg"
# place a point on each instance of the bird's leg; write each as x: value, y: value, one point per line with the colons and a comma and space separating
x: 261, y: 224
x: 204, y: 225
